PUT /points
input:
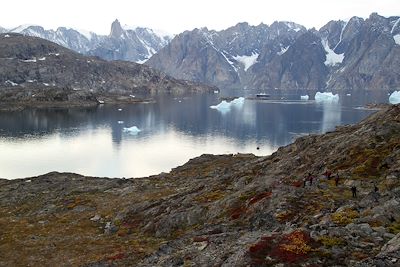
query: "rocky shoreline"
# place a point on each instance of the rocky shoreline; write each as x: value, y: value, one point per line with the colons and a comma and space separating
x: 221, y: 210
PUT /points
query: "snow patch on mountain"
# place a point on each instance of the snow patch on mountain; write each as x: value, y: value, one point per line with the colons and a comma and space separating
x: 397, y: 39
x: 341, y: 35
x: 20, y: 28
x: 283, y: 50
x: 395, y: 25
x: 331, y: 57
x: 247, y: 61
x: 85, y: 33
x: 228, y: 60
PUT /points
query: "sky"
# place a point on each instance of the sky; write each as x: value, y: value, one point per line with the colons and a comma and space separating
x: 175, y: 16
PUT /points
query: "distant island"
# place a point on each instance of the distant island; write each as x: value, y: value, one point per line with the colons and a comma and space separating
x: 38, y: 73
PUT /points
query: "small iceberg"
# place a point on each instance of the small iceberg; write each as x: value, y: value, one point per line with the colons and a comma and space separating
x: 131, y: 130
x: 120, y: 122
x: 225, y: 106
x: 348, y: 94
x: 326, y: 97
x: 394, y: 98
x: 304, y: 97
x: 120, y: 109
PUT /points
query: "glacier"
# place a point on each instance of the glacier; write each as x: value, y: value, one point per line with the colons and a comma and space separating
x: 326, y: 97
x: 247, y: 61
x: 331, y: 57
x: 394, y: 98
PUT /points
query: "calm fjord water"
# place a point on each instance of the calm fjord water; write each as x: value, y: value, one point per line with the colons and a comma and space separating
x: 91, y: 141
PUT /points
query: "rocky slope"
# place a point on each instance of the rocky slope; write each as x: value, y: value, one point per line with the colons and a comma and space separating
x: 28, y: 64
x: 131, y: 44
x: 227, y: 210
x: 355, y: 55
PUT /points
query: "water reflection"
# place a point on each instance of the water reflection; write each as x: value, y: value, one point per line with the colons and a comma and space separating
x: 331, y: 116
x: 90, y: 141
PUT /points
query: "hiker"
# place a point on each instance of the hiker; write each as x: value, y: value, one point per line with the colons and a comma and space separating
x: 375, y: 193
x: 327, y: 174
x: 310, y: 178
x: 337, y: 179
x: 304, y: 182
x: 354, y: 191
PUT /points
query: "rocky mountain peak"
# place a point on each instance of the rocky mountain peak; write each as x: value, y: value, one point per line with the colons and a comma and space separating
x: 116, y: 29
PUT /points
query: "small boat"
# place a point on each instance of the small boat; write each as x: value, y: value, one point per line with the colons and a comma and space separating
x: 262, y: 95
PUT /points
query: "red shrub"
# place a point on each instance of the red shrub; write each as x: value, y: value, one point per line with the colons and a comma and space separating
x: 259, y: 197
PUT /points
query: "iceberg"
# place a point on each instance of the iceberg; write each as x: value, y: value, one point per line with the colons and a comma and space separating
x: 225, y: 106
x: 394, y: 98
x: 304, y: 97
x: 131, y: 130
x: 326, y: 97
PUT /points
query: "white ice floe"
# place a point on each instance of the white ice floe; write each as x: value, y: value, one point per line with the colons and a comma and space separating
x: 225, y: 106
x: 304, y: 97
x: 348, y: 94
x: 132, y: 96
x: 46, y: 84
x: 326, y: 97
x: 216, y: 92
x: 120, y: 122
x: 394, y: 98
x: 131, y: 130
x: 7, y: 36
x: 120, y: 109
x: 42, y: 58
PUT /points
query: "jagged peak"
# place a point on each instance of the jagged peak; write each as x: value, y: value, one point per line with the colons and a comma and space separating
x: 116, y: 29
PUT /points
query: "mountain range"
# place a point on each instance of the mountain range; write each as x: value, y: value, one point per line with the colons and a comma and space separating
x: 355, y: 55
x: 360, y: 54
x: 123, y: 43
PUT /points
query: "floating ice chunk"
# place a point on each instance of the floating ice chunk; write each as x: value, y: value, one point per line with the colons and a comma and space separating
x: 42, y: 58
x: 225, y: 106
x: 46, y: 84
x: 304, y: 97
x: 348, y: 94
x: 326, y: 97
x: 120, y: 122
x: 216, y: 91
x: 131, y: 130
x: 394, y: 98
x: 132, y: 96
x: 120, y: 109
x: 7, y: 36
